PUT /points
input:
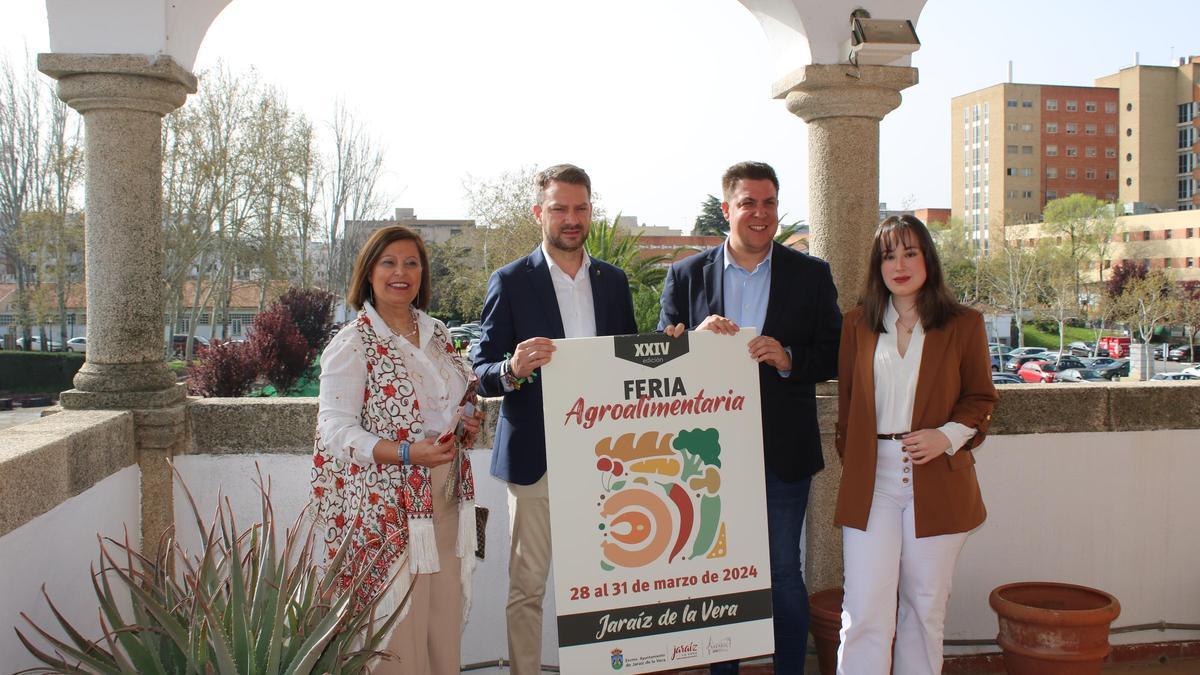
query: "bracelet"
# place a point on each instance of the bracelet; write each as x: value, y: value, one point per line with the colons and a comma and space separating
x: 402, y: 452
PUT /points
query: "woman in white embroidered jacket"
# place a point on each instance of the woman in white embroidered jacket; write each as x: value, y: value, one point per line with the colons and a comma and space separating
x: 383, y: 472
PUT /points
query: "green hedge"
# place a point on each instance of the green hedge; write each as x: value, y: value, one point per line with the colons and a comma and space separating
x: 37, y: 372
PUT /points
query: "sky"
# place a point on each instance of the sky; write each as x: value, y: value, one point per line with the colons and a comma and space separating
x: 654, y: 98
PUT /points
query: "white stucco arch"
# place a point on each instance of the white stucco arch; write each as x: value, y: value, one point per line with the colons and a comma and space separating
x: 152, y: 28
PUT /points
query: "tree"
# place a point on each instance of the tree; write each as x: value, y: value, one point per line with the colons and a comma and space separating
x: 711, y: 220
x: 1086, y: 225
x: 1188, y: 312
x: 960, y: 262
x: 1056, y: 289
x: 1144, y: 304
x: 1122, y: 275
x: 608, y: 243
x: 1012, y: 278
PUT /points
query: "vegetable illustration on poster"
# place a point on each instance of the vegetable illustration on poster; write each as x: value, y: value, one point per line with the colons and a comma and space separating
x: 657, y: 508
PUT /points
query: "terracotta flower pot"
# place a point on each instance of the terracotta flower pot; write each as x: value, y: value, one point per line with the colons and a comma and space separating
x: 825, y: 624
x: 1052, y: 628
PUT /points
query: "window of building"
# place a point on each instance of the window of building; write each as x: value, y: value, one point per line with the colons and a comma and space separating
x: 1089, y: 129
x: 1051, y: 104
x: 1010, y: 194
x: 1051, y: 195
x: 1146, y: 263
x: 1185, y: 113
x: 1110, y: 153
x: 1110, y: 130
x: 1011, y: 103
x: 1071, y: 173
x: 1051, y: 172
x: 1027, y: 194
x: 1052, y: 151
x: 1190, y: 261
x: 1010, y: 126
x: 1185, y: 188
x: 1185, y: 162
x: 1167, y: 234
x: 1072, y: 128
x: 1145, y: 235
x: 1110, y: 107
x: 1090, y: 174
x: 1072, y: 151
x: 1190, y: 232
x: 1129, y: 107
x: 1026, y: 104
x: 1052, y: 127
x: 1185, y: 137
x: 1026, y: 126
x: 1129, y: 157
x: 1010, y: 171
x: 1166, y: 262
x: 1027, y: 172
x: 1107, y: 263
x: 1089, y: 106
x: 1128, y: 182
x: 1125, y: 237
x: 1072, y: 106
x: 1089, y: 151
x: 1026, y: 149
x: 1010, y: 149
x: 1128, y: 131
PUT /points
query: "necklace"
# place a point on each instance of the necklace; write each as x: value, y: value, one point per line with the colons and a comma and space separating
x: 907, y: 329
x: 415, y: 326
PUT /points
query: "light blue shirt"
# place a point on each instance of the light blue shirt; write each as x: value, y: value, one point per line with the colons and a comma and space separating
x: 747, y: 292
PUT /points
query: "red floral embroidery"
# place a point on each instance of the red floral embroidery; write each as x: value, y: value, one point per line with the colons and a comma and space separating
x: 449, y: 348
x: 389, y: 391
x: 414, y: 479
x: 365, y: 319
x: 318, y: 459
x: 373, y: 498
x: 340, y: 520
x: 318, y: 492
x: 402, y: 435
x: 354, y: 469
x: 383, y: 351
x: 340, y: 483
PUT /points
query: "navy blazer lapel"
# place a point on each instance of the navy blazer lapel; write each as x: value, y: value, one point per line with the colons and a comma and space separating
x: 543, y: 291
x: 714, y: 284
x: 775, y: 293
x: 599, y: 307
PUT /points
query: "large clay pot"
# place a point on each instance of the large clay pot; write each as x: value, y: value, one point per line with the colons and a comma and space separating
x: 825, y: 624
x: 1052, y: 628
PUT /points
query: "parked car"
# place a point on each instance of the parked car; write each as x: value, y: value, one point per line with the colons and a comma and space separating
x: 1184, y: 353
x: 1026, y: 351
x: 1083, y: 375
x: 1037, y: 371
x: 1086, y: 349
x: 1161, y: 351
x: 995, y: 348
x: 1194, y: 370
x: 1006, y: 378
x: 35, y: 344
x: 1013, y: 363
x: 77, y: 344
x: 1111, y: 368
x: 1174, y: 377
x: 179, y: 344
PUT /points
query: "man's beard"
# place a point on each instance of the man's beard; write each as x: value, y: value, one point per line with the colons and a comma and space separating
x: 559, y: 242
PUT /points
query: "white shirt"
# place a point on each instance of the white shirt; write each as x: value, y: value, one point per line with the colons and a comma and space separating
x: 574, y: 297
x: 896, y: 383
x: 439, y: 386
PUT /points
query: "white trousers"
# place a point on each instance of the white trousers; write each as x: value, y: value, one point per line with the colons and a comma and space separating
x: 886, y: 566
x: 528, y: 568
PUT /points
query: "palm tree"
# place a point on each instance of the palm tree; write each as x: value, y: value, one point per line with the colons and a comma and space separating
x: 606, y: 242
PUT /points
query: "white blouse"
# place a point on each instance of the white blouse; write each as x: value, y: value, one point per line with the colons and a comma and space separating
x: 439, y: 386
x: 896, y: 383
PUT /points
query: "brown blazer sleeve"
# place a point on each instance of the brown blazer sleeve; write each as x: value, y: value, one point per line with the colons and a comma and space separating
x: 847, y: 354
x: 978, y: 395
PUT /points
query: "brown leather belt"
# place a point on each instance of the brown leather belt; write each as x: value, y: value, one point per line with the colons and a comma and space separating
x: 892, y: 437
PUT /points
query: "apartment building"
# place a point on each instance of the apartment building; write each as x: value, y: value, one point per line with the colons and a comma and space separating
x: 1014, y: 147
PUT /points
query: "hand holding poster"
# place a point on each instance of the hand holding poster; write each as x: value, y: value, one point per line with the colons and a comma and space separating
x: 657, y: 505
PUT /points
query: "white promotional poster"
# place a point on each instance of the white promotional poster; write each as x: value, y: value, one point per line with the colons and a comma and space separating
x: 657, y: 503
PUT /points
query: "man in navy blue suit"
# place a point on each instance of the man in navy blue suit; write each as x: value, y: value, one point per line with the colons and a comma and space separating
x: 557, y: 291
x: 750, y: 280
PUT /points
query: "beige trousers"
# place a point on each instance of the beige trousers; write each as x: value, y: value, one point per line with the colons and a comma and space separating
x: 427, y: 641
x: 528, y: 567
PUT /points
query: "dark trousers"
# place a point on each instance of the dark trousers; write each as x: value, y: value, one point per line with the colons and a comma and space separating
x: 786, y: 503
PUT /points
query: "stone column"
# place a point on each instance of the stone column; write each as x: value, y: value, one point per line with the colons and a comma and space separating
x: 842, y: 105
x: 123, y: 98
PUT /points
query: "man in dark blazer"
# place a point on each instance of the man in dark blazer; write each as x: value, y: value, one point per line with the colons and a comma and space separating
x: 750, y: 280
x: 557, y: 291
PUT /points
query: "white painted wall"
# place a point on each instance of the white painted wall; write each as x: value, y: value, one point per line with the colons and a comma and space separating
x: 1114, y: 511
x: 56, y: 549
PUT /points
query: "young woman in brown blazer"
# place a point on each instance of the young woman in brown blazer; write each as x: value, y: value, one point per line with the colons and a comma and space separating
x: 915, y: 396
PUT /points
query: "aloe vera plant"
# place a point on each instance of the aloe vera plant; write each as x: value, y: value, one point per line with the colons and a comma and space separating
x: 243, y: 605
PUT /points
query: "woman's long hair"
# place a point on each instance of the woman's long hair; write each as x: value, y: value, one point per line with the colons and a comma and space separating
x: 935, y: 303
